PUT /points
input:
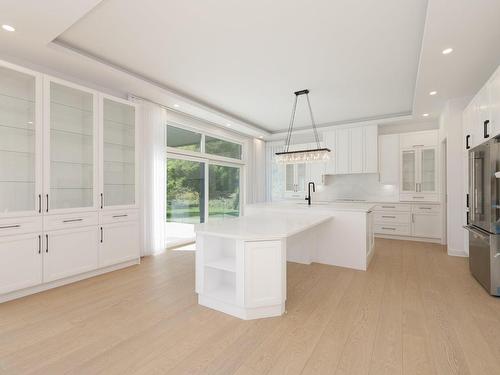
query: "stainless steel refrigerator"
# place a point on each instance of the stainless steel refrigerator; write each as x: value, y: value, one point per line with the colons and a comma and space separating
x: 484, y: 215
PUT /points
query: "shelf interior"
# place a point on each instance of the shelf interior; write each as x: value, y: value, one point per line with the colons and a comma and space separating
x: 224, y: 263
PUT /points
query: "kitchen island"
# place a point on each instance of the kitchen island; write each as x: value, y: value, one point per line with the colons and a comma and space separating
x: 241, y: 262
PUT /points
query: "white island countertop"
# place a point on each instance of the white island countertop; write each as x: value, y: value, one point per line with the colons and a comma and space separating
x: 263, y: 226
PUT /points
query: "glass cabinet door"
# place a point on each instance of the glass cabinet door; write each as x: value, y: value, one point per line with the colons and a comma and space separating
x: 428, y: 169
x: 289, y: 177
x: 72, y: 148
x: 408, y: 170
x: 118, y: 153
x: 19, y: 151
x: 301, y: 177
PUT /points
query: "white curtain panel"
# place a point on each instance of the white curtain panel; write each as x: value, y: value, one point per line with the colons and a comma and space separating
x: 274, y: 172
x: 153, y: 124
x: 256, y: 171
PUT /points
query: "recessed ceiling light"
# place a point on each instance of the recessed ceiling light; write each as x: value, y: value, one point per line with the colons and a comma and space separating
x: 8, y: 28
x: 447, y: 51
x: 261, y: 136
x: 228, y: 125
x: 433, y: 93
x: 176, y: 105
x: 425, y: 115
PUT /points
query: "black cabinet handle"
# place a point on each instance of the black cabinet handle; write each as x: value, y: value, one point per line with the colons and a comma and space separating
x: 47, y: 207
x: 47, y: 239
x: 467, y: 142
x: 102, y: 237
x: 39, y: 203
x: 39, y: 244
x: 102, y: 201
x: 485, y: 128
x: 467, y: 199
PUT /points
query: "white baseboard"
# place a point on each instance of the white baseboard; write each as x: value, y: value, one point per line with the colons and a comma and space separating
x: 408, y: 238
x: 457, y: 253
x: 68, y: 280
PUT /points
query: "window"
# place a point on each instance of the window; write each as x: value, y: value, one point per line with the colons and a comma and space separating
x: 220, y: 147
x: 183, y: 139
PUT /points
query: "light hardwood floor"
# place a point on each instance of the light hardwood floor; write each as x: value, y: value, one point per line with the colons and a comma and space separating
x: 415, y: 311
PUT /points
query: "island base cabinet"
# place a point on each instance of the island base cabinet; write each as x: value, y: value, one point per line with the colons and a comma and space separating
x: 70, y: 252
x: 265, y: 274
x: 118, y: 243
x: 21, y: 265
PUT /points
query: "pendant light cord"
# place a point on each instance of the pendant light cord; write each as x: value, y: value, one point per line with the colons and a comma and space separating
x: 292, y: 119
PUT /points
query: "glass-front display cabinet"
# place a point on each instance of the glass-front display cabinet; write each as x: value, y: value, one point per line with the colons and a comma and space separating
x: 119, y: 168
x: 71, y: 151
x: 20, y: 141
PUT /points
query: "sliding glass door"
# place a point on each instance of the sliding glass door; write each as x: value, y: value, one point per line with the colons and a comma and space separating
x: 223, y: 191
x: 185, y: 191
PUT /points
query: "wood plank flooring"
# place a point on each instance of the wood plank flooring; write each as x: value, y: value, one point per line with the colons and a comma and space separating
x: 415, y: 311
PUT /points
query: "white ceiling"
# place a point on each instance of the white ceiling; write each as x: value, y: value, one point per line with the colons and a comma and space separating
x: 358, y: 58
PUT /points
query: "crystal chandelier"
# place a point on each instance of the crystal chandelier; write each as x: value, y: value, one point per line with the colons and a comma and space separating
x: 317, y: 154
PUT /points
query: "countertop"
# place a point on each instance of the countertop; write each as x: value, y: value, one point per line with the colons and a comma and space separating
x: 263, y: 225
x: 314, y: 207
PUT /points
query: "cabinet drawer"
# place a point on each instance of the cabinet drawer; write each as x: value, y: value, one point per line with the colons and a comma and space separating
x: 391, y: 217
x: 119, y: 216
x: 426, y: 208
x: 392, y: 207
x: 13, y: 226
x: 65, y: 221
x: 418, y: 197
x: 394, y: 229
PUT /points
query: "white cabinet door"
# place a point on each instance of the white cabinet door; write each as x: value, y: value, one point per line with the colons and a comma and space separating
x: 483, y: 108
x: 118, y: 243
x: 265, y: 273
x: 495, y: 102
x: 466, y: 128
x: 424, y: 225
x: 329, y: 141
x: 20, y: 141
x: 118, y: 152
x: 408, y: 171
x: 370, y: 148
x: 356, y: 150
x: 70, y: 252
x: 315, y: 173
x: 389, y: 159
x: 21, y: 262
x: 427, y: 178
x: 342, y: 151
x: 70, y: 147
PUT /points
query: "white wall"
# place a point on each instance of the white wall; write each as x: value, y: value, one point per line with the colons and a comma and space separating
x: 450, y: 128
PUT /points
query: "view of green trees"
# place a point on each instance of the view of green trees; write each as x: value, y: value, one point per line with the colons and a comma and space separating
x: 185, y: 191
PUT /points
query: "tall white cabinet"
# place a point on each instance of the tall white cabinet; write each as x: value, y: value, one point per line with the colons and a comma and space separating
x: 68, y: 182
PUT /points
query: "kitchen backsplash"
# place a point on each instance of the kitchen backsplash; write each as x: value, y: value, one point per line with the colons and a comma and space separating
x: 356, y: 186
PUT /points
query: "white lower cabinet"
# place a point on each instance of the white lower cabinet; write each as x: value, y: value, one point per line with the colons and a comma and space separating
x: 419, y: 221
x: 426, y: 225
x: 21, y: 265
x: 70, y: 252
x: 119, y: 243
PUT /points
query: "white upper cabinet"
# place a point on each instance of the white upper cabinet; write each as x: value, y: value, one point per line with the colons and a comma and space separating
x: 119, y: 158
x: 481, y: 118
x: 370, y: 155
x: 20, y: 141
x: 418, y: 168
x: 70, y: 147
x: 389, y: 159
x: 354, y: 150
x: 495, y: 103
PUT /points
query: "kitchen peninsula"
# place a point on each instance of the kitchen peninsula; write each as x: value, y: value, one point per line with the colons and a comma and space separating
x: 241, y: 262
